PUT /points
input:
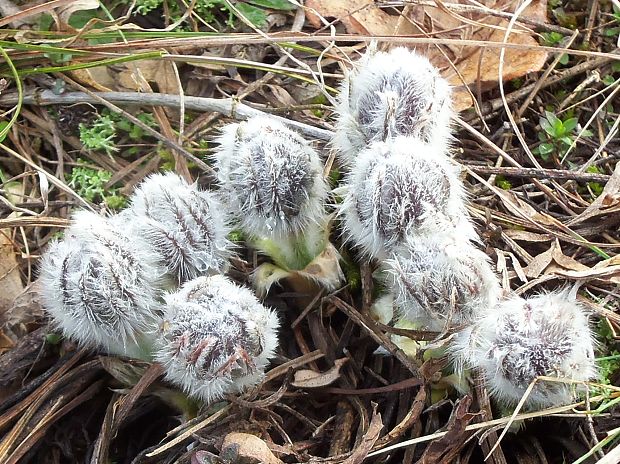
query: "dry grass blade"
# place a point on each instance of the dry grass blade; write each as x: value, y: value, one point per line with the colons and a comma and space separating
x: 188, y: 433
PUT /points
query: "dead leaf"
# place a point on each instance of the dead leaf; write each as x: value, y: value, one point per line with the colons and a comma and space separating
x: 539, y: 263
x: 463, y: 66
x: 368, y: 440
x: 324, y: 269
x: 444, y: 449
x: 479, y: 66
x: 307, y: 378
x: 610, y: 274
x: 566, y: 262
x: 357, y: 17
x: 127, y: 372
x: 10, y: 280
x: 607, y: 202
x: 125, y: 76
x: 78, y: 5
x: 248, y: 449
x: 555, y: 262
x: 527, y: 236
x: 524, y: 210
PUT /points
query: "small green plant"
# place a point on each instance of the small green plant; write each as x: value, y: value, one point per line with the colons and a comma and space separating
x: 502, y: 183
x: 557, y: 135
x: 595, y: 188
x: 614, y: 31
x: 101, y: 134
x: 608, y: 365
x: 551, y: 38
x: 212, y: 11
x: 90, y: 184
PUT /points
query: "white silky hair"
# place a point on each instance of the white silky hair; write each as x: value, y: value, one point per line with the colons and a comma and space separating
x: 441, y: 280
x: 523, y: 338
x: 271, y: 179
x: 388, y: 94
x: 216, y: 338
x: 399, y: 188
x: 184, y: 229
x: 97, y: 288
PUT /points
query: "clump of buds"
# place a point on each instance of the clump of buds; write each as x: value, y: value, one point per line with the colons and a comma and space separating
x: 397, y: 189
x: 182, y: 227
x: 522, y: 339
x: 216, y: 338
x: 272, y: 182
x: 441, y: 281
x: 390, y: 94
x: 97, y: 286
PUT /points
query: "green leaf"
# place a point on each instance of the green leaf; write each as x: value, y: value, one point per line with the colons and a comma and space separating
x: 564, y: 59
x: 274, y: 4
x: 253, y: 14
x: 570, y: 124
x: 587, y: 133
x: 567, y: 140
x: 596, y: 188
x: 558, y: 129
x: 544, y: 150
x: 552, y: 118
x: 502, y: 183
x: 79, y: 19
x: 3, y: 126
x: 547, y: 127
x: 53, y: 339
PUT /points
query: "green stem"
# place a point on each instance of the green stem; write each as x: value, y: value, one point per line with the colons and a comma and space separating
x: 20, y: 95
x: 92, y: 64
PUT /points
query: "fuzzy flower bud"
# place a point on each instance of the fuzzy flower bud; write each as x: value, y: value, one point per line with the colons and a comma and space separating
x: 183, y: 228
x: 270, y: 178
x: 441, y: 281
x: 547, y: 335
x: 391, y: 94
x: 399, y: 188
x: 98, y: 289
x: 216, y: 338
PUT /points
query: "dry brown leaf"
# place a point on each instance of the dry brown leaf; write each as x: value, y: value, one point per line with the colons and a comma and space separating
x: 462, y: 66
x: 307, y: 378
x: 607, y: 202
x: 324, y: 268
x: 609, y: 274
x: 479, y: 66
x: 527, y: 236
x: 566, y: 262
x: 555, y: 262
x: 445, y: 448
x: 248, y: 449
x: 77, y: 5
x: 539, y: 263
x: 124, y: 77
x: 524, y: 210
x: 98, y: 78
x: 368, y: 440
x: 10, y: 280
x: 363, y: 18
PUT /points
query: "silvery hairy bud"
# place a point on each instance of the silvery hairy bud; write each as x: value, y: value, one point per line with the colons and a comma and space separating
x: 216, y: 338
x: 98, y: 288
